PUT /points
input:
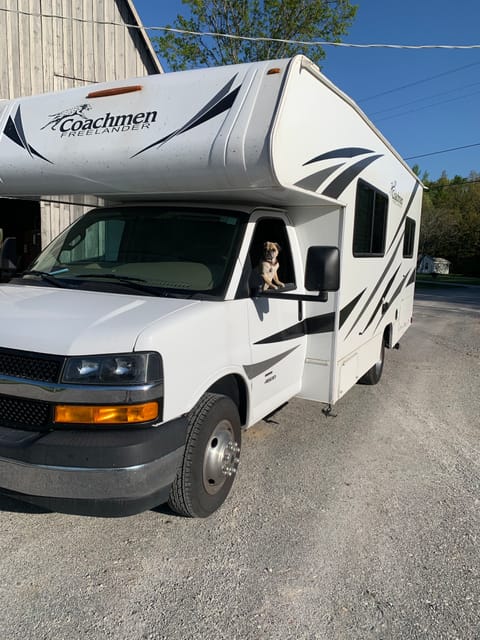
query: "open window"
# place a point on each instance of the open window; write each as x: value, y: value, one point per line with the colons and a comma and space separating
x: 273, y: 230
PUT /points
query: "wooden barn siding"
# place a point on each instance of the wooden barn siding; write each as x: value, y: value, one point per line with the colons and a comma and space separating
x: 40, y: 54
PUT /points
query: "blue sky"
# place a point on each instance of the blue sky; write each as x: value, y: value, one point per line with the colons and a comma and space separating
x: 441, y: 107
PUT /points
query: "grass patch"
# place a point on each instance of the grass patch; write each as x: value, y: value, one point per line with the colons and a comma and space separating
x: 453, y: 278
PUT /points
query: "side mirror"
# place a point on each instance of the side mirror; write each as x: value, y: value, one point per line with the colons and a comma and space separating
x: 322, y: 272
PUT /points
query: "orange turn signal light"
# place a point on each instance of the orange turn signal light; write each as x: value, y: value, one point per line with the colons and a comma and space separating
x: 101, y: 414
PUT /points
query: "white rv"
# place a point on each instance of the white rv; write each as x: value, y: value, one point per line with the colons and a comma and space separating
x: 143, y: 340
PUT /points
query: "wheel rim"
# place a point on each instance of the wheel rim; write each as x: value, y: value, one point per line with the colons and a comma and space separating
x: 221, y: 457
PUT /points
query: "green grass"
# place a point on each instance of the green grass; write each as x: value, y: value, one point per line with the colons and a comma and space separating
x: 453, y: 278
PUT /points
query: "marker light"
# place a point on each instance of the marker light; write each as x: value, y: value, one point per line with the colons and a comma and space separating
x: 105, y: 414
x: 115, y: 91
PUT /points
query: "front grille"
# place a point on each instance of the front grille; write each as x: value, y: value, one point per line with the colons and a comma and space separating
x: 28, y: 366
x: 17, y: 413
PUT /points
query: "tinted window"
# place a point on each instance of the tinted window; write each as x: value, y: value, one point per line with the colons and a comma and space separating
x: 166, y: 249
x: 409, y: 240
x: 370, y: 228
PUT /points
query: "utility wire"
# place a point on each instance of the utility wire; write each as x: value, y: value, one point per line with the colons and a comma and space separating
x: 417, y: 82
x: 434, y: 153
x: 428, y: 106
x: 433, y: 95
x: 213, y: 34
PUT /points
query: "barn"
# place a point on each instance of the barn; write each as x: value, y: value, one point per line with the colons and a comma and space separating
x: 53, y: 45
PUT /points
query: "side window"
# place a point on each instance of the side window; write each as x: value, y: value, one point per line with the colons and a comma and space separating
x: 370, y: 227
x: 409, y: 240
x: 273, y: 230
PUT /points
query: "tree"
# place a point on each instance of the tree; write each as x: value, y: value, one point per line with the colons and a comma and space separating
x: 451, y: 221
x: 307, y: 20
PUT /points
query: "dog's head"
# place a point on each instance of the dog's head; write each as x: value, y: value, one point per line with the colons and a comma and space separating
x: 271, y: 251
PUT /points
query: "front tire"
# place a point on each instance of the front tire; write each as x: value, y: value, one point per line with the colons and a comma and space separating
x: 211, y: 458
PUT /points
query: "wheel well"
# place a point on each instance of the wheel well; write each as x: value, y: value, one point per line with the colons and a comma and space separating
x: 233, y: 387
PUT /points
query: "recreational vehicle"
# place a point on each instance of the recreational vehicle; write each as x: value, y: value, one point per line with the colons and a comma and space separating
x: 147, y: 335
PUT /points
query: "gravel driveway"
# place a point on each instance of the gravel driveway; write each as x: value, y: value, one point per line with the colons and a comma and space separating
x: 365, y: 525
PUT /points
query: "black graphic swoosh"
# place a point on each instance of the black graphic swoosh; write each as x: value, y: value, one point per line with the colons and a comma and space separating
x: 221, y: 102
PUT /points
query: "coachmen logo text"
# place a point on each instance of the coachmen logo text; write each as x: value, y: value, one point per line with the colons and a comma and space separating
x: 74, y: 122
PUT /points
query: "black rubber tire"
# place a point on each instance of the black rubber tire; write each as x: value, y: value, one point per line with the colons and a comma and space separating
x: 188, y: 494
x: 373, y: 375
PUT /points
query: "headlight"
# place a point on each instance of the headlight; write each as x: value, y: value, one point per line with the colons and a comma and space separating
x: 115, y: 369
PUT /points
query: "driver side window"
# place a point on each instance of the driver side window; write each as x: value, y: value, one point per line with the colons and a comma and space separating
x: 273, y: 230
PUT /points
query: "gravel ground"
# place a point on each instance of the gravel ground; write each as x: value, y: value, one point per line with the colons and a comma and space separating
x: 363, y: 526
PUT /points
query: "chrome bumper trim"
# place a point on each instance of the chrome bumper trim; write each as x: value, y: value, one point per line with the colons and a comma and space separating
x: 85, y: 483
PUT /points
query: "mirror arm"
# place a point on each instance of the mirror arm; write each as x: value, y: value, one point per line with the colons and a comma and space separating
x: 321, y: 297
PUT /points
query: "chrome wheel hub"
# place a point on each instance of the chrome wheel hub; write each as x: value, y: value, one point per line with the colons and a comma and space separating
x: 221, y: 457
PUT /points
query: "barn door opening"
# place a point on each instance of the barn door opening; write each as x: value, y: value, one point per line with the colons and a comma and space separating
x: 19, y: 235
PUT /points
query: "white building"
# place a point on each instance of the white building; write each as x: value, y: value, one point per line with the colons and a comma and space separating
x: 428, y: 264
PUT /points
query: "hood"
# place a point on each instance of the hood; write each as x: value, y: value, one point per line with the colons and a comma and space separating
x: 66, y: 322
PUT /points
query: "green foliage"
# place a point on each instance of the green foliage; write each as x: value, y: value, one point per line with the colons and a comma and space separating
x: 451, y: 220
x: 306, y: 20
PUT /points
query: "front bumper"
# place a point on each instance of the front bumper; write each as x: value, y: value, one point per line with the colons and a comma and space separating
x: 100, y: 473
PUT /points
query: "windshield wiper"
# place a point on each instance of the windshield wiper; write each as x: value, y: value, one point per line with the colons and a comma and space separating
x: 129, y: 281
x: 47, y: 277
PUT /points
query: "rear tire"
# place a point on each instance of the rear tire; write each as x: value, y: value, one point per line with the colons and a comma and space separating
x: 211, y: 458
x: 374, y: 374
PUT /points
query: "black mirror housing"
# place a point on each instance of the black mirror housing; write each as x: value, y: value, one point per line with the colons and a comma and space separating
x: 322, y: 272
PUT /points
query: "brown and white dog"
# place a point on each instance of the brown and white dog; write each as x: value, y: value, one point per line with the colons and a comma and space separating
x: 268, y: 267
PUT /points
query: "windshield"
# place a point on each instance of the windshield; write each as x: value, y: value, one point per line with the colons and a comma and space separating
x: 149, y: 249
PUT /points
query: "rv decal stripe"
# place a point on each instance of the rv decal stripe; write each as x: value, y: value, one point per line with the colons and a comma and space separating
x: 397, y: 292
x: 382, y: 300
x: 347, y: 310
x: 15, y: 132
x: 221, y: 102
x: 254, y: 370
x: 346, y: 152
x: 341, y: 182
x: 376, y: 288
x: 19, y: 129
x: 402, y: 221
x: 412, y: 278
x: 316, y: 324
x: 11, y: 132
x: 313, y: 181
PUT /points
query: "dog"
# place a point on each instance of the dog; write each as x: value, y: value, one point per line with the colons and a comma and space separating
x: 268, y: 267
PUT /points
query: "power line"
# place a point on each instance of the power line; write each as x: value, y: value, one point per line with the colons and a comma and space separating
x: 434, y: 153
x: 428, y: 106
x: 417, y: 82
x: 433, y: 95
x: 213, y: 34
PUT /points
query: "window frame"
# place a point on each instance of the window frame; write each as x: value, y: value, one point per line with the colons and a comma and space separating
x: 409, y: 238
x: 372, y: 219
